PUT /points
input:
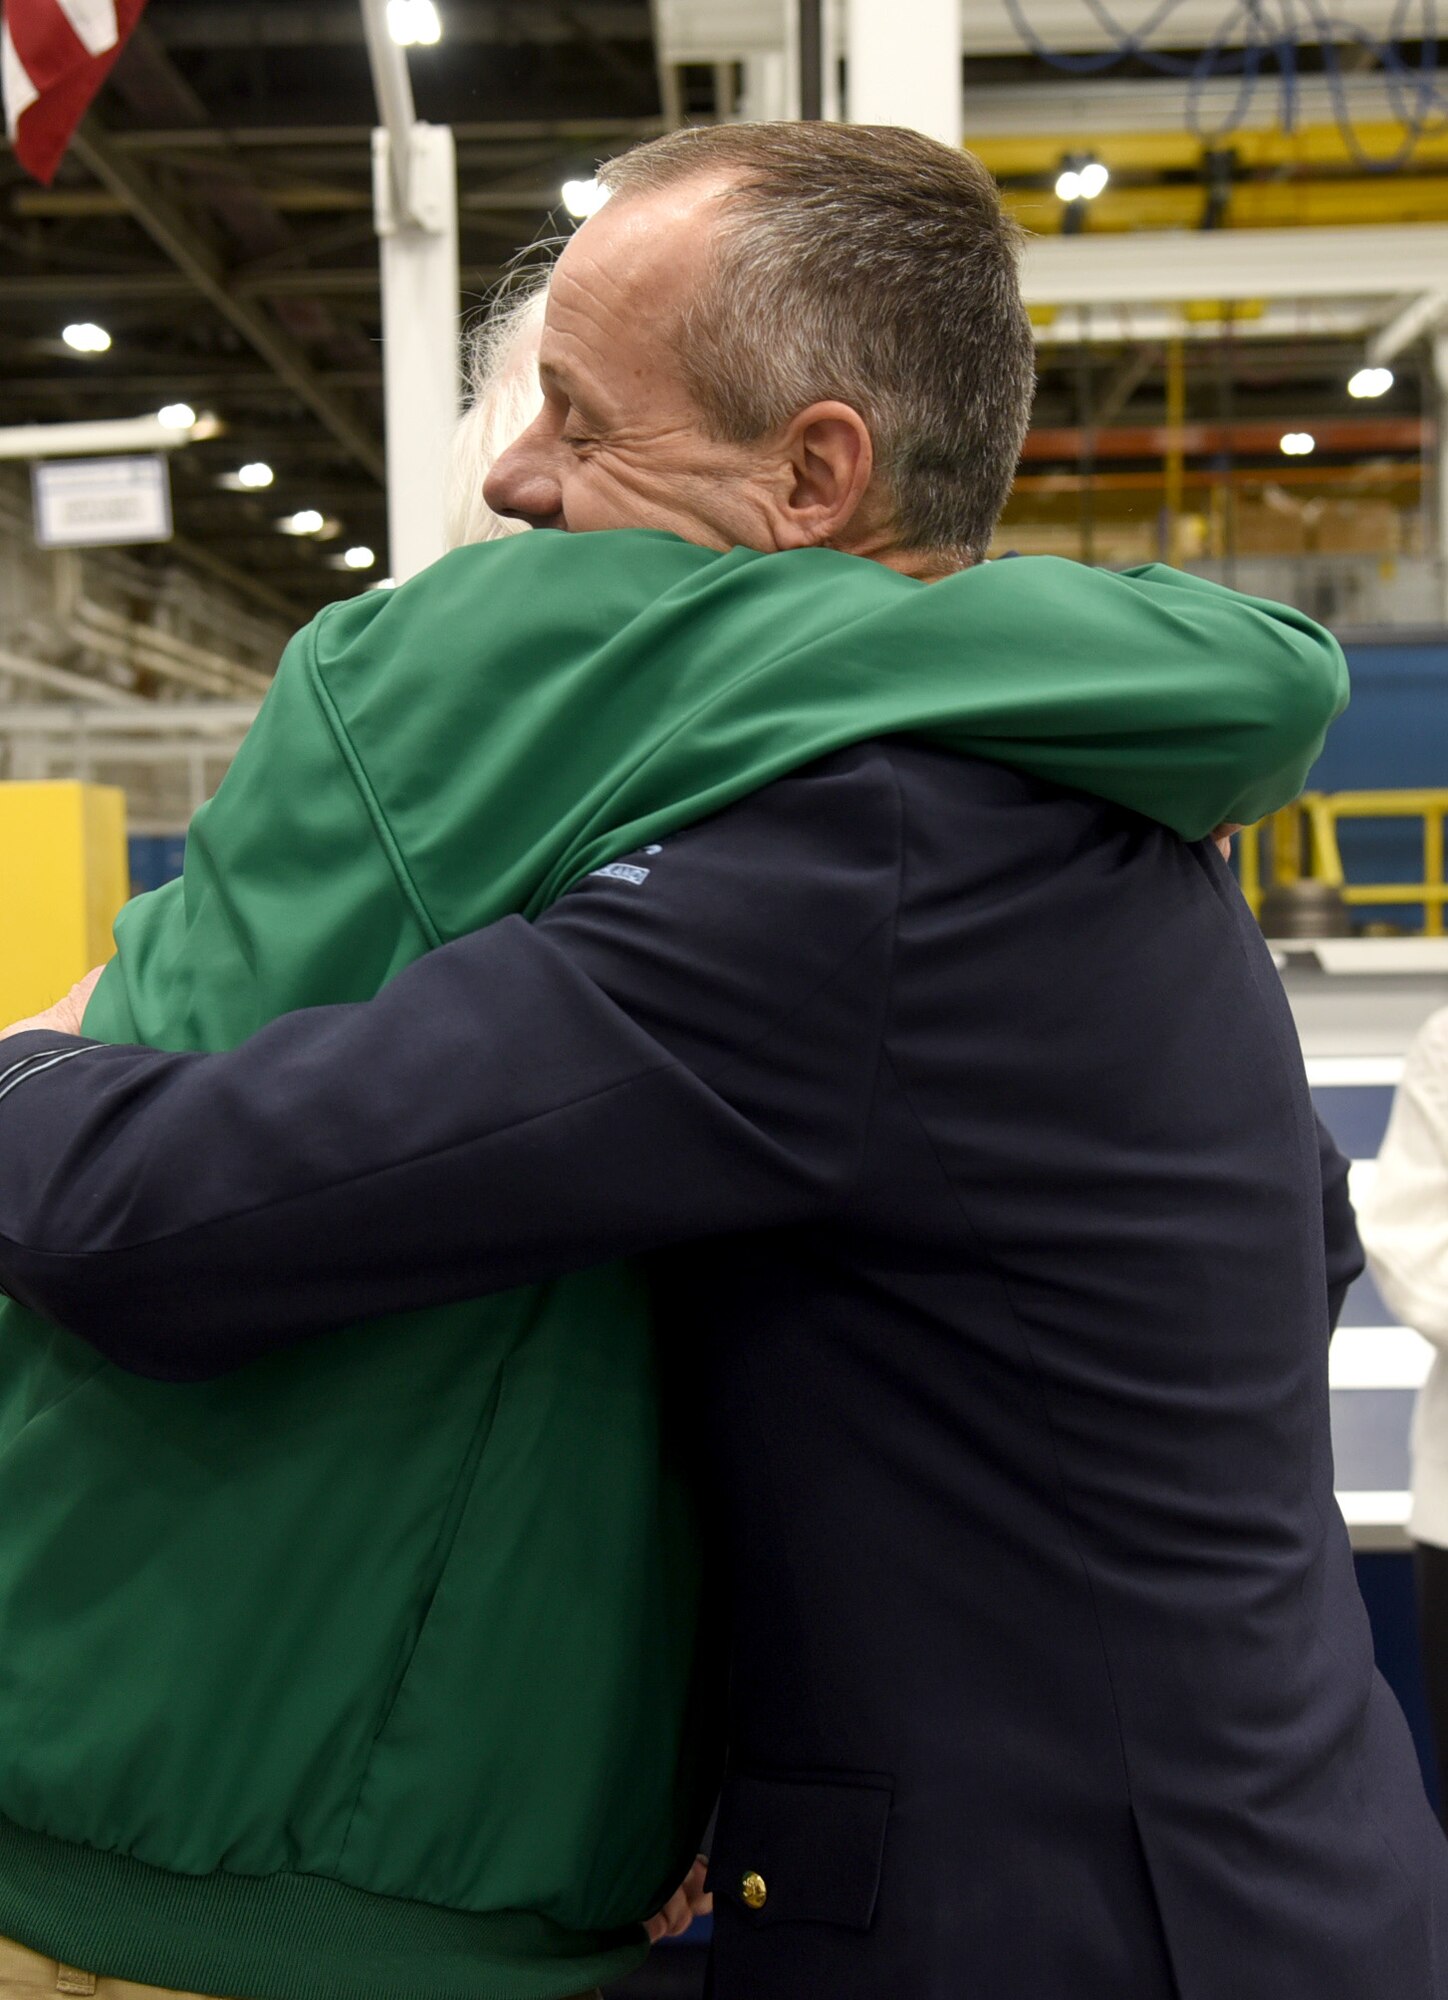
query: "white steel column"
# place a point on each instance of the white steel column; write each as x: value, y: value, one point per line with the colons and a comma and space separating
x: 904, y: 65
x: 832, y: 48
x: 414, y: 189
x: 419, y: 340
x: 771, y: 88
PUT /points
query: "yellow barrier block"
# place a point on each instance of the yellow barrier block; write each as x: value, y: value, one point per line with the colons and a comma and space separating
x: 63, y: 877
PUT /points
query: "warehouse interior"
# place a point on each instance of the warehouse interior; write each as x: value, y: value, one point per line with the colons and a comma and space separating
x: 1236, y: 265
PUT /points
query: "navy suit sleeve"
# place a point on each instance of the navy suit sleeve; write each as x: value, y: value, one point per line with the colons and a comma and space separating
x: 1345, y: 1260
x: 683, y: 1048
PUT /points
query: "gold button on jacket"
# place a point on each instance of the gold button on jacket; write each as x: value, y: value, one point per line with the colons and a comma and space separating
x: 754, y: 1890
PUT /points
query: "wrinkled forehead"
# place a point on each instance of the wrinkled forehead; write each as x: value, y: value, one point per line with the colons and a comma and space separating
x: 633, y: 267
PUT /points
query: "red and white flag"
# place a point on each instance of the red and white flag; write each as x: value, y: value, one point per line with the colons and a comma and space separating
x: 54, y: 57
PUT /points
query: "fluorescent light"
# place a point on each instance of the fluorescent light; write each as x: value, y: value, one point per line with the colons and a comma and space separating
x: 1068, y: 186
x: 1297, y: 444
x: 86, y: 337
x: 1092, y: 179
x: 1370, y: 382
x: 176, y: 416
x: 359, y: 558
x: 410, y: 22
x: 384, y: 583
x: 256, y: 475
x: 583, y: 198
x: 307, y: 521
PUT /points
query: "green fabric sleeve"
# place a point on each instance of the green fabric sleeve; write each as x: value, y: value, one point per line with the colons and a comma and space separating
x: 433, y: 758
x: 553, y: 701
x: 1191, y: 704
x: 286, y: 899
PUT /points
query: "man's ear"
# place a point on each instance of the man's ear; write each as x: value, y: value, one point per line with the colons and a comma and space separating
x: 830, y: 462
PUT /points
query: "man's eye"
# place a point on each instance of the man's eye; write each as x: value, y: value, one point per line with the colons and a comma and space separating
x: 577, y: 438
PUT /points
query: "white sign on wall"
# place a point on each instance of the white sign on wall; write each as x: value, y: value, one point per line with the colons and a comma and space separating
x: 101, y: 502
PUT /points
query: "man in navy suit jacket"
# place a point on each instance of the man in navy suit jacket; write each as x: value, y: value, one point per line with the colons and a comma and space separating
x: 964, y: 1121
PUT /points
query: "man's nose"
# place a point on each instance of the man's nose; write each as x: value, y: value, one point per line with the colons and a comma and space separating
x: 522, y: 486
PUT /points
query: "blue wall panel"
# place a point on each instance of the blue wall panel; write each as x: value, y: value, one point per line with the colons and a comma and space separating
x: 1394, y: 735
x: 155, y: 858
x: 1395, y: 731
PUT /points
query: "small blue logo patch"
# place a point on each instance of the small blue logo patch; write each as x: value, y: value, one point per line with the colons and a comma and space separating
x: 623, y: 871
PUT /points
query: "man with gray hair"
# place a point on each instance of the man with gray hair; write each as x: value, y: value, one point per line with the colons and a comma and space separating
x: 785, y: 336
x: 925, y: 1052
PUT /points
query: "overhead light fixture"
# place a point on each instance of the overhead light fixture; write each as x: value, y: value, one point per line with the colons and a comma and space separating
x: 1370, y: 382
x: 176, y: 416
x: 307, y: 521
x: 1082, y: 183
x: 85, y: 337
x: 384, y: 583
x: 1093, y: 178
x: 1297, y: 444
x: 584, y: 198
x: 246, y: 478
x: 410, y: 22
x: 360, y: 557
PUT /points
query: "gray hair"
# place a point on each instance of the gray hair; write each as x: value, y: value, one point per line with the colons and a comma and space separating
x: 875, y: 267
x: 503, y: 398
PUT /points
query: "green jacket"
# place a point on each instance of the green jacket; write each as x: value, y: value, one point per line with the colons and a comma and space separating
x: 379, y: 1668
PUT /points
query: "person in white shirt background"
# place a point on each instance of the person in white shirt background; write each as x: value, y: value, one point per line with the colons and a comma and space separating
x: 1404, y: 1227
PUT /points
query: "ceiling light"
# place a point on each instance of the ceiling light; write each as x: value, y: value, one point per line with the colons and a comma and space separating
x: 359, y: 558
x: 410, y: 22
x: 1092, y: 179
x: 584, y: 198
x: 1081, y: 183
x: 306, y: 522
x: 1297, y: 444
x: 1370, y: 382
x: 384, y: 583
x: 246, y: 478
x: 176, y: 416
x: 86, y: 337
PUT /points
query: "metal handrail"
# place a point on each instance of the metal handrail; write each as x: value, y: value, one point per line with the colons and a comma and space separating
x: 1304, y: 846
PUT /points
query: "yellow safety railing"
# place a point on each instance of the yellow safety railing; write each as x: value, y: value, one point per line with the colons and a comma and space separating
x: 1304, y: 846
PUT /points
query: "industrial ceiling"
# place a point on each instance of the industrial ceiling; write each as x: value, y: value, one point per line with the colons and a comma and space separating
x: 215, y: 216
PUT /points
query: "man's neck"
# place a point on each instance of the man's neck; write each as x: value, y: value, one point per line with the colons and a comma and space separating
x: 926, y: 568
x: 926, y: 565
x: 872, y: 534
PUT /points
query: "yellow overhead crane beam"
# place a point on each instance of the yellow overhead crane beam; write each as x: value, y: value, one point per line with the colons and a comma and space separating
x: 1257, y: 205
x: 1309, y: 146
x: 1302, y: 179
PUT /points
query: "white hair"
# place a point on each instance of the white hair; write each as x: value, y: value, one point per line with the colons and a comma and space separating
x: 503, y: 398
